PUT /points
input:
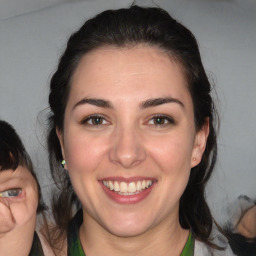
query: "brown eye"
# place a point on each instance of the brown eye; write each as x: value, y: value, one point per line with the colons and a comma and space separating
x: 95, y: 120
x: 161, y: 120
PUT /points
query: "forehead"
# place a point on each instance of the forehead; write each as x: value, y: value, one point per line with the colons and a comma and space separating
x: 20, y: 172
x: 123, y: 72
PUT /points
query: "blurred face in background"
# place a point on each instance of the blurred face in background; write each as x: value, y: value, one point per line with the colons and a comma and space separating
x: 19, y: 200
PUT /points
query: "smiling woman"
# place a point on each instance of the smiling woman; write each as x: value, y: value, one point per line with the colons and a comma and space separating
x: 132, y: 115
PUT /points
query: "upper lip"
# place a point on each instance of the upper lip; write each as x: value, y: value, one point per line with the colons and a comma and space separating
x: 127, y: 180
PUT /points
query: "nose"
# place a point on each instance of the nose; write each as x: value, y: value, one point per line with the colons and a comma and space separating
x: 127, y: 148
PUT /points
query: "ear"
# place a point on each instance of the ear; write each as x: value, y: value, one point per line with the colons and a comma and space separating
x: 61, y: 140
x: 200, y: 144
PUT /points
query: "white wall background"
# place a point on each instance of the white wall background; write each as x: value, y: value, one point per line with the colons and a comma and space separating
x: 33, y: 34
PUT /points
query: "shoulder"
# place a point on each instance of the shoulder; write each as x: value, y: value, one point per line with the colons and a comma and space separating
x: 45, y: 245
x: 202, y: 249
x: 48, y: 248
x: 48, y: 235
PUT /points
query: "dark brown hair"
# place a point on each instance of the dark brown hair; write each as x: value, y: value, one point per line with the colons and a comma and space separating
x: 126, y: 28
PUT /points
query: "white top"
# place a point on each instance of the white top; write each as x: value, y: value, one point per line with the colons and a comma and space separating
x: 203, y: 250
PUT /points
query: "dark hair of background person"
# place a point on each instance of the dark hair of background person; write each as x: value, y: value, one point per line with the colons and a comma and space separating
x: 127, y: 28
x: 14, y: 154
x: 241, y: 245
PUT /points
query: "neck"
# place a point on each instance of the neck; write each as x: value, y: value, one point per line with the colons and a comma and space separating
x: 167, y: 238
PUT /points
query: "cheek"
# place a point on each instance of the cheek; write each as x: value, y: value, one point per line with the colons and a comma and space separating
x: 172, y: 153
x: 84, y: 153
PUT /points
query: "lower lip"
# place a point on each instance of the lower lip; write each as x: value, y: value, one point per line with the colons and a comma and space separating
x: 128, y: 199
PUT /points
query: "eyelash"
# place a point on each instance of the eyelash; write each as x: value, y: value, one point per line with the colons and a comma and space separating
x: 13, y: 192
x: 167, y: 120
x: 89, y: 120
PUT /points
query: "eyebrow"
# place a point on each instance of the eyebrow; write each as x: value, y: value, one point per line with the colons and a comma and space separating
x: 160, y: 101
x: 96, y: 102
x: 146, y: 104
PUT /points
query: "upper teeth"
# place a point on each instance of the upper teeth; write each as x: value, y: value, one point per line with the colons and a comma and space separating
x: 124, y: 187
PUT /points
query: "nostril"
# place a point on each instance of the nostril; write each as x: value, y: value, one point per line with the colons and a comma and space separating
x: 126, y: 148
x: 127, y: 158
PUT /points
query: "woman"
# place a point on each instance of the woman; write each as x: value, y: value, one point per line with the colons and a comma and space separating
x: 20, y: 197
x: 133, y: 119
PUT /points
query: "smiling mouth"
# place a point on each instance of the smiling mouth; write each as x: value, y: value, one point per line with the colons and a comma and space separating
x: 127, y: 189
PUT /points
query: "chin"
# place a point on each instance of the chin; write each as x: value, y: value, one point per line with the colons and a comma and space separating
x: 128, y: 228
x: 127, y: 231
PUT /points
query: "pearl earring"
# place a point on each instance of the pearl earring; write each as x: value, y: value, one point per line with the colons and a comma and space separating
x: 63, y: 162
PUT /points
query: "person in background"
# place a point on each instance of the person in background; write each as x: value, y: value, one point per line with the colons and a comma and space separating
x: 241, y: 227
x: 20, y: 197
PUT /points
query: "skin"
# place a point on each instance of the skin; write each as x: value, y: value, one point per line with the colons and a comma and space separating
x: 129, y: 143
x: 17, y: 214
x: 247, y: 224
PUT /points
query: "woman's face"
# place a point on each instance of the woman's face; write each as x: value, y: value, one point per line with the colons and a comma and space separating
x: 129, y: 138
